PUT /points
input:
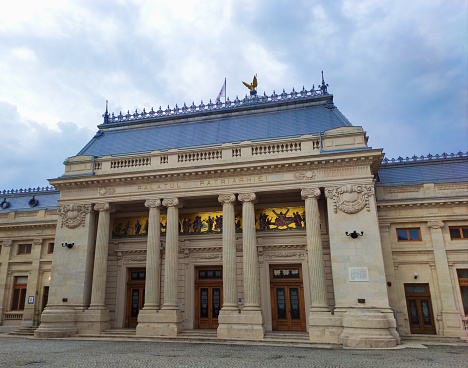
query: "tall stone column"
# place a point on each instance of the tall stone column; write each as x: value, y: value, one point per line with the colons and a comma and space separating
x: 147, y: 318
x: 32, y: 288
x: 323, y: 326
x: 98, y: 291
x: 5, y: 259
x: 153, y: 256
x: 451, y: 320
x: 318, y: 293
x: 168, y: 320
x: 97, y: 313
x: 251, y: 314
x: 230, y: 309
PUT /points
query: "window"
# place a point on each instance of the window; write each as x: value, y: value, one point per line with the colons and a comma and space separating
x: 409, y: 234
x: 19, y: 293
x: 458, y: 232
x: 463, y: 282
x: 24, y: 248
x: 50, y: 248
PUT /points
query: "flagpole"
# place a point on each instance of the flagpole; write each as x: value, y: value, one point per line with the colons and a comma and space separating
x: 225, y: 91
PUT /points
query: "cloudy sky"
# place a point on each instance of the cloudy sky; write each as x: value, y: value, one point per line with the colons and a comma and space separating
x: 396, y: 67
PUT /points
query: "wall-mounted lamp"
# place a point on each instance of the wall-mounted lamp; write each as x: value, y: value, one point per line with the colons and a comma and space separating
x: 415, y: 275
x: 68, y: 245
x: 355, y: 234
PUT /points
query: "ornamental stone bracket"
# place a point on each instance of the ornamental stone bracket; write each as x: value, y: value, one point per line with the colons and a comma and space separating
x: 350, y: 198
x: 73, y: 215
x: 435, y: 224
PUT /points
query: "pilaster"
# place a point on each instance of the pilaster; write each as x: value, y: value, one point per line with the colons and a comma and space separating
x: 4, y: 260
x: 451, y: 321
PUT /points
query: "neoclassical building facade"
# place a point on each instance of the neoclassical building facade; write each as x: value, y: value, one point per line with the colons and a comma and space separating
x: 248, y: 217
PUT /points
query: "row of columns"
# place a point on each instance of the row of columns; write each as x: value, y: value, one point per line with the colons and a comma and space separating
x: 250, y: 259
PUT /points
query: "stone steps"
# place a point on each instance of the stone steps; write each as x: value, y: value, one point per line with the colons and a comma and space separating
x: 23, y: 331
x: 434, y: 339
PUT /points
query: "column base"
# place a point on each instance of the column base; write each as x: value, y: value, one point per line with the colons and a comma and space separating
x: 367, y: 328
x: 164, y: 322
x: 57, y: 322
x: 93, y: 321
x: 244, y: 325
x: 324, y: 327
x: 451, y: 324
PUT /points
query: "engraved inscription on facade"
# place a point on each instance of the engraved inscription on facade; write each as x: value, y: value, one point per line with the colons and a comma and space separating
x: 358, y: 274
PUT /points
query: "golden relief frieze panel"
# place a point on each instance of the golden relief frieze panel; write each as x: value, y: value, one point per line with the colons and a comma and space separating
x: 267, y: 219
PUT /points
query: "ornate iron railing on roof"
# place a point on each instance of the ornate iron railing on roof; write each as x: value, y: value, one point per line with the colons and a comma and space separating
x: 429, y: 157
x: 218, y: 105
x: 29, y: 190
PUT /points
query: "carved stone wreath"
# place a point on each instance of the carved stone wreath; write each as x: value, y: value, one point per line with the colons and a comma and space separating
x: 350, y: 198
x: 73, y: 215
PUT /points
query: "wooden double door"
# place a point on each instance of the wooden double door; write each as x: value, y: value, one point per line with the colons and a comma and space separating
x: 287, y: 298
x: 135, y: 295
x: 420, y: 315
x: 208, y: 296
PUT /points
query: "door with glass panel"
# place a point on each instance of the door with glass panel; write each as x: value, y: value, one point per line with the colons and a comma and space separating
x: 420, y: 315
x: 208, y: 296
x: 287, y: 298
x: 135, y: 296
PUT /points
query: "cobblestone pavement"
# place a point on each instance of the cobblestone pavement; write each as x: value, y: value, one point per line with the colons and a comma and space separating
x: 23, y: 352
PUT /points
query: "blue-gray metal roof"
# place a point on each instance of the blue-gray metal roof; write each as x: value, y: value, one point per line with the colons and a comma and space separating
x: 450, y: 169
x: 22, y: 200
x: 254, y: 122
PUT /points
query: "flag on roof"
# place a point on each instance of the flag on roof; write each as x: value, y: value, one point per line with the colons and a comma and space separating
x: 222, y: 92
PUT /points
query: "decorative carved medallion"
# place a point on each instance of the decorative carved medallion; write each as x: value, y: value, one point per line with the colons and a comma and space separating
x: 305, y: 175
x: 7, y: 243
x: 106, y: 191
x: 226, y: 198
x: 73, y: 215
x: 435, y: 224
x: 350, y: 198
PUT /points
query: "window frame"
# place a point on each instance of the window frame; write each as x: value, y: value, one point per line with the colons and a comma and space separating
x: 463, y: 283
x: 460, y: 231
x: 408, y: 229
x: 25, y: 248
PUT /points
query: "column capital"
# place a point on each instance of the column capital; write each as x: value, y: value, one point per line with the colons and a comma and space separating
x: 246, y: 197
x: 37, y: 241
x: 435, y: 224
x: 226, y: 198
x: 152, y: 203
x: 104, y: 207
x: 172, y: 202
x: 7, y: 243
x: 310, y: 193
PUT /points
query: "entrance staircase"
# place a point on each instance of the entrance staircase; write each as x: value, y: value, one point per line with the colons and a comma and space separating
x: 207, y: 337
x: 24, y: 331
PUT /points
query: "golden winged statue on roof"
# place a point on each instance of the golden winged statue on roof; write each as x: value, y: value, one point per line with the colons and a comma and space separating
x: 253, y: 85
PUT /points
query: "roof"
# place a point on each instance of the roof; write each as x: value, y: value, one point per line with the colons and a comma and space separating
x: 419, y: 170
x: 252, y: 119
x: 28, y: 199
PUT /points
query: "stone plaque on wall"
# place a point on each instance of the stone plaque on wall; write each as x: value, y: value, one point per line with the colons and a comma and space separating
x: 358, y: 274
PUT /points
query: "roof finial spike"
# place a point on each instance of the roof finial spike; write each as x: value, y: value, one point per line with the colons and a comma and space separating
x: 324, y: 86
x: 106, y: 114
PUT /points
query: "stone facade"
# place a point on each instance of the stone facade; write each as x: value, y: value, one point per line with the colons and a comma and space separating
x: 150, y: 231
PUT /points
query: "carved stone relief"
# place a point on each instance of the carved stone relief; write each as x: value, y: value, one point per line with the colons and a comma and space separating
x: 435, y: 224
x: 73, y: 215
x: 350, y: 198
x: 106, y: 191
x: 305, y: 175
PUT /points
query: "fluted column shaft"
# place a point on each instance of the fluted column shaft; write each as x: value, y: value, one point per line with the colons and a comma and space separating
x: 172, y: 244
x: 153, y: 256
x: 98, y: 292
x: 314, y: 249
x: 250, y: 260
x: 229, y: 252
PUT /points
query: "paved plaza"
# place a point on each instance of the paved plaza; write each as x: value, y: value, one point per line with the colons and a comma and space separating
x: 25, y: 352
